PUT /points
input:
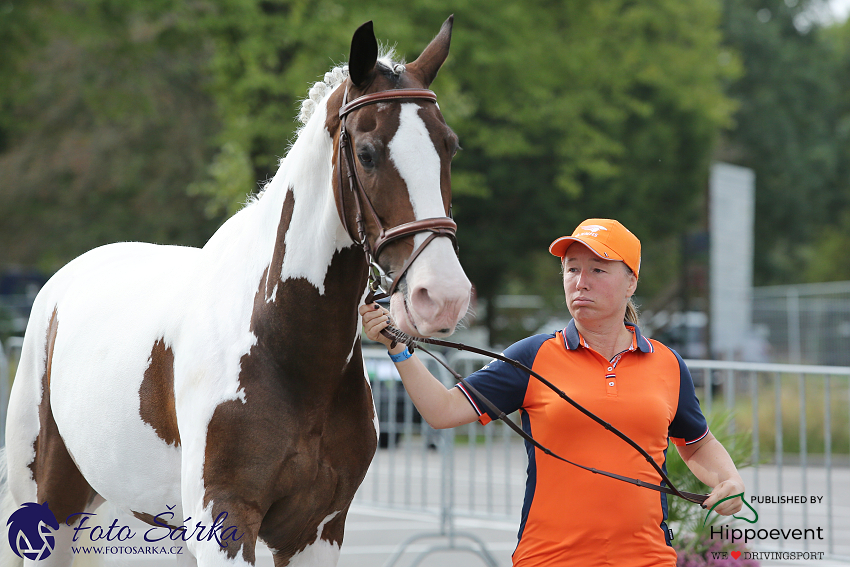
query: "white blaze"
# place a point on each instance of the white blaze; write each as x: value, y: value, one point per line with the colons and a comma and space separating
x: 437, y: 273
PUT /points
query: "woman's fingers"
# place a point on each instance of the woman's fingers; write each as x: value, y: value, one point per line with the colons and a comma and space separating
x: 725, y: 490
x: 375, y: 319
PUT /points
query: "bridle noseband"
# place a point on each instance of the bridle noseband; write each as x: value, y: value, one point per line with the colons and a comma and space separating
x: 438, y: 226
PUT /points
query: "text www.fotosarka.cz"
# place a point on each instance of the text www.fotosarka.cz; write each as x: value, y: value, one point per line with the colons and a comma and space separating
x: 126, y: 550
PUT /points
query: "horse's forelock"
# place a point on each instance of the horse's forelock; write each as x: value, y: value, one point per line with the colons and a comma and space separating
x: 336, y: 76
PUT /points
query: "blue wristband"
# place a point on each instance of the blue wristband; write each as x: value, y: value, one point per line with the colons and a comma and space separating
x: 403, y: 355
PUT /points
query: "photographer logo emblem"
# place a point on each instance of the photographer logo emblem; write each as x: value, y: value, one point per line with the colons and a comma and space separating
x: 31, y: 531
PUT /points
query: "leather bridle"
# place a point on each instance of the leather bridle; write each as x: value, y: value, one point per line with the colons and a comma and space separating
x: 353, y: 191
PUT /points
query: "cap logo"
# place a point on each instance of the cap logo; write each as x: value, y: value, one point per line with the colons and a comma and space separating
x: 593, y: 227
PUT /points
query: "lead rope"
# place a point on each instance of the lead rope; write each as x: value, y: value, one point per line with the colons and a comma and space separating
x: 411, y: 343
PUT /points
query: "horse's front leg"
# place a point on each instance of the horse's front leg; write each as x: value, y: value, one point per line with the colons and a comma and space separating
x: 320, y: 547
x: 223, y: 508
x: 226, y: 533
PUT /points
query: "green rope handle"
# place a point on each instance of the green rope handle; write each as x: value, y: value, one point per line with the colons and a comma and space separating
x: 744, y: 500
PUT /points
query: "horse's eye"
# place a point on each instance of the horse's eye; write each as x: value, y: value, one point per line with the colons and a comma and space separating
x: 366, y: 159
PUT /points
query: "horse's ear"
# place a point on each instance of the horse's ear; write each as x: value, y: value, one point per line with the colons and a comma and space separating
x: 363, y: 56
x: 430, y: 61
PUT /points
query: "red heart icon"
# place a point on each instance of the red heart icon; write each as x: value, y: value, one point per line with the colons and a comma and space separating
x: 736, y: 554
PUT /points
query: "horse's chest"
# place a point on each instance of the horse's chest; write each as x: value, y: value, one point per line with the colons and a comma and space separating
x: 300, y: 455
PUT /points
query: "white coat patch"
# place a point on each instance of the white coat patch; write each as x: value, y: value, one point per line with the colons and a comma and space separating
x: 320, y: 552
x: 414, y: 156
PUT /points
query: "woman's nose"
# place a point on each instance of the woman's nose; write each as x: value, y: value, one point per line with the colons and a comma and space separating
x: 581, y: 281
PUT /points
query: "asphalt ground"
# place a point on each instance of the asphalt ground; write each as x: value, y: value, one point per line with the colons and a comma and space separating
x: 400, y: 503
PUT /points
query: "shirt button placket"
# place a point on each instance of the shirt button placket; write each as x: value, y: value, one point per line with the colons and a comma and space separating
x: 611, y: 384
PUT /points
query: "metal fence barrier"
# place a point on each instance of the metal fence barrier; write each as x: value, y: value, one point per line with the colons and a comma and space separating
x: 798, y: 419
x: 804, y: 323
x: 414, y: 468
x: 5, y: 386
x: 800, y: 438
x: 799, y: 422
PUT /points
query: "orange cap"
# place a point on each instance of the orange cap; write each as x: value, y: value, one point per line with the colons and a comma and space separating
x: 607, y: 238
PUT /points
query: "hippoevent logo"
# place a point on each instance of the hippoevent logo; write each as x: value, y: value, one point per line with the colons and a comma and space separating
x: 31, y: 534
x: 31, y: 531
x: 767, y: 535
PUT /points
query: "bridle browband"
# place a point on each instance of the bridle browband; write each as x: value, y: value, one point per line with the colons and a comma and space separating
x: 445, y: 226
x: 438, y: 226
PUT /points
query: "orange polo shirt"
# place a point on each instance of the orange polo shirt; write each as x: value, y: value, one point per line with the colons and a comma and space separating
x: 572, y: 517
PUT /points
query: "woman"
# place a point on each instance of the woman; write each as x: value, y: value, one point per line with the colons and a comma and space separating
x: 601, y: 360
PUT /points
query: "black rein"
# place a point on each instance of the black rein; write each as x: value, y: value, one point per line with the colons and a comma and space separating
x: 669, y: 489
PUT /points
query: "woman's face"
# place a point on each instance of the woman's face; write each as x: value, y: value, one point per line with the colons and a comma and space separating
x: 596, y: 289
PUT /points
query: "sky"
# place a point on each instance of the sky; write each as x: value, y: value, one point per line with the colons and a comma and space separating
x: 841, y: 8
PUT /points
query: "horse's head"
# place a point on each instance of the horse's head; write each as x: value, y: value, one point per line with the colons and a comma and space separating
x: 400, y: 150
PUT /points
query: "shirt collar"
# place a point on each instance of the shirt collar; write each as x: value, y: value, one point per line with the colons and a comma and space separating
x: 572, y: 338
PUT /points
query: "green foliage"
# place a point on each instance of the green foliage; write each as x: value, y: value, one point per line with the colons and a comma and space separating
x: 604, y: 109
x: 19, y: 33
x: 689, y: 517
x: 791, y: 413
x: 826, y: 262
x: 565, y: 111
x: 785, y: 130
x: 110, y: 129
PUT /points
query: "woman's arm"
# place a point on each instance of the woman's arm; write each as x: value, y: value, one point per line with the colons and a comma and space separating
x: 711, y: 463
x: 442, y: 408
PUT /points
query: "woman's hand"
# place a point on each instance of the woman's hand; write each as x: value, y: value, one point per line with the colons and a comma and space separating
x: 724, y: 490
x: 375, y: 319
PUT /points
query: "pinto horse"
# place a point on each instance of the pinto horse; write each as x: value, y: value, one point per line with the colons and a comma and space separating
x: 229, y: 379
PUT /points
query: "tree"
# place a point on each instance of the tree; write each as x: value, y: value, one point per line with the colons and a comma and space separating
x: 825, y: 257
x: 785, y: 130
x: 107, y: 123
x: 565, y: 110
x: 616, y: 117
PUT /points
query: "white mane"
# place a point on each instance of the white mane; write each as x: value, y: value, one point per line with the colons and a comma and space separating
x: 320, y: 90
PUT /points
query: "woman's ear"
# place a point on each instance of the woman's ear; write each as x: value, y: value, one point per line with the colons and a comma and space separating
x: 633, y: 281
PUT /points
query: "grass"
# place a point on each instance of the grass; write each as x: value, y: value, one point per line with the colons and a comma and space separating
x: 791, y: 412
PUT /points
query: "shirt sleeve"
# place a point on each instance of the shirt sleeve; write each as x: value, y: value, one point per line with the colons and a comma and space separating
x: 503, y: 384
x: 688, y: 425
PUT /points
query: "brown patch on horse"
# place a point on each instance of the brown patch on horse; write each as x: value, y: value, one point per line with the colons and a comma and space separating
x: 152, y: 520
x: 57, y: 478
x: 298, y: 447
x: 156, y: 394
x: 276, y: 266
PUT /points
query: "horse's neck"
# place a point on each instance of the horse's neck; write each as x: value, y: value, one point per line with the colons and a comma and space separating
x: 306, y: 276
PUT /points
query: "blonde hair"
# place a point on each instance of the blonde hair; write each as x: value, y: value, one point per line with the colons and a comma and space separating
x: 632, y: 315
